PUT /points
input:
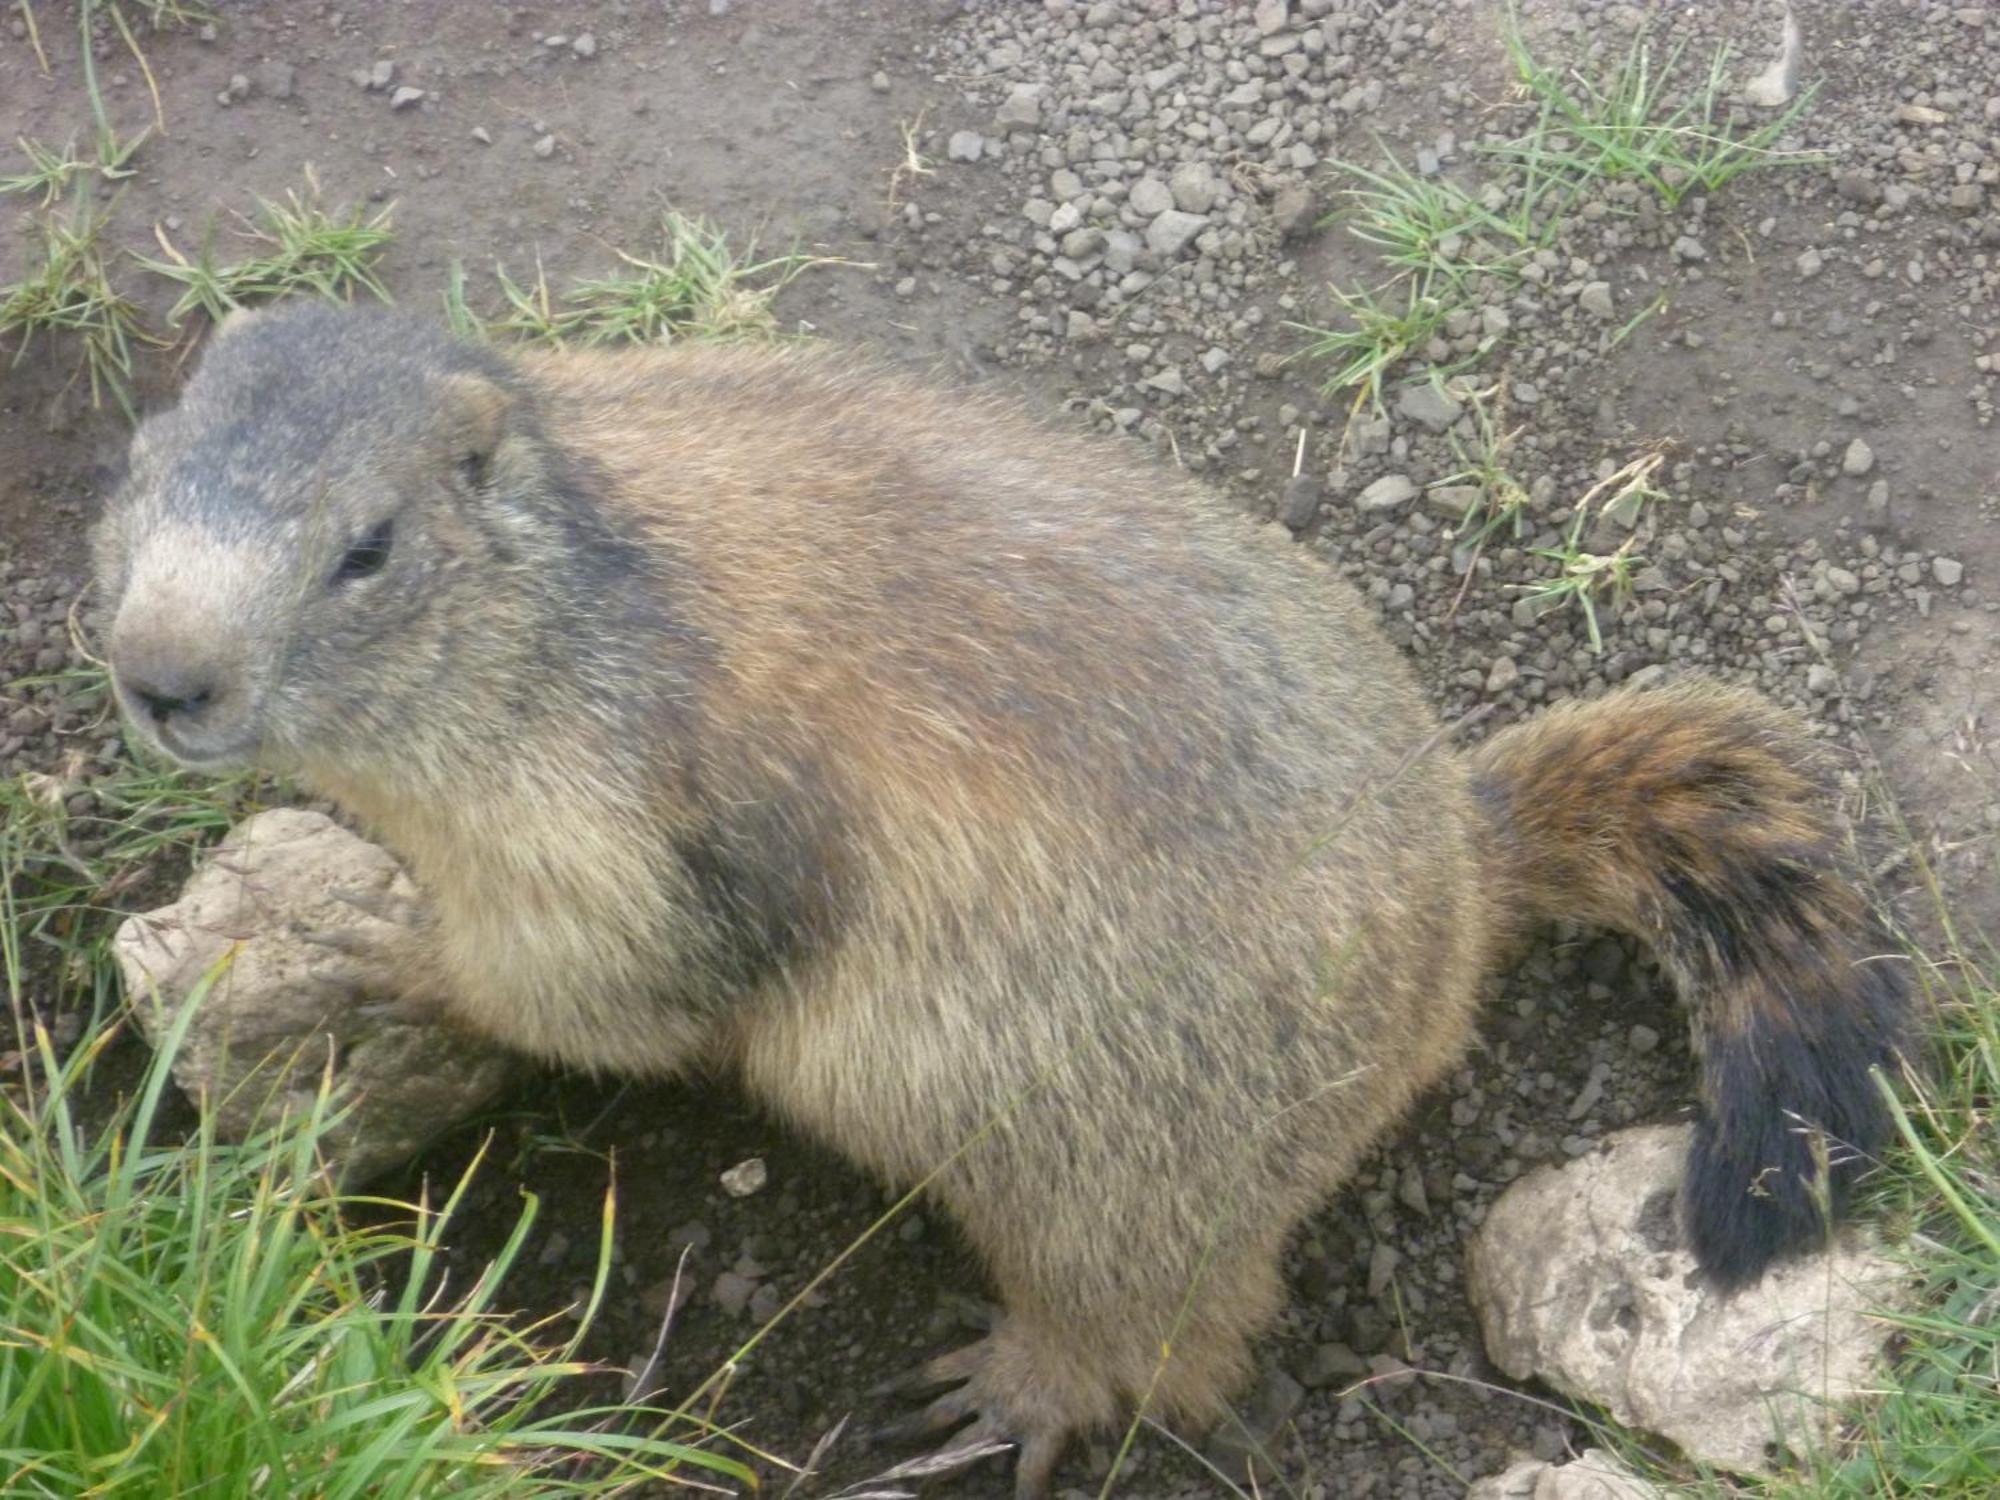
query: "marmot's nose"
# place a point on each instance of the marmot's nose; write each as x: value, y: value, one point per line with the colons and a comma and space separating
x: 165, y: 693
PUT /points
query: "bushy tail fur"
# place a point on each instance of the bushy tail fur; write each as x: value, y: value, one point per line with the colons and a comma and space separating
x: 1694, y: 816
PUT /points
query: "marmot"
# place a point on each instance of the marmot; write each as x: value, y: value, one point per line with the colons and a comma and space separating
x: 983, y: 795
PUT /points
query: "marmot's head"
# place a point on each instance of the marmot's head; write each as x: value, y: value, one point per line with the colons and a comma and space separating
x: 347, y: 514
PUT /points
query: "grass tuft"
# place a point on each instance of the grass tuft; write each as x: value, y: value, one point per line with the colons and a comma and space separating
x: 68, y: 293
x: 303, y: 250
x: 1649, y: 123
x: 695, y: 287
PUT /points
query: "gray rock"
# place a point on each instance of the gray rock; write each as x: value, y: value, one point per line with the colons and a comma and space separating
x: 1251, y: 1434
x: 1579, y: 1279
x: 314, y: 917
x: 1121, y: 251
x: 965, y: 145
x: 585, y: 46
x: 1386, y: 493
x: 1947, y: 571
x: 1503, y: 675
x: 405, y: 96
x: 381, y: 74
x: 1858, y: 459
x: 544, y: 147
x: 1172, y: 231
x: 1303, y: 493
x: 1270, y: 16
x: 1595, y: 299
x: 1334, y: 1364
x: 1195, y: 187
x: 1292, y: 211
x: 732, y: 1292
x: 1150, y: 196
x: 1429, y: 405
x: 1808, y: 264
x: 1021, y: 108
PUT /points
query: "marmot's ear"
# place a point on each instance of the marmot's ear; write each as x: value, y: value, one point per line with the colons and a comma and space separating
x: 475, y: 420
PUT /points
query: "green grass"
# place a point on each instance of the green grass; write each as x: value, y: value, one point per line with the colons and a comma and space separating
x: 67, y: 292
x: 1652, y: 121
x: 1499, y: 500
x: 179, y: 1317
x: 1380, y: 331
x: 1590, y: 580
x: 694, y: 286
x: 300, y: 249
x: 50, y: 171
x: 1649, y: 122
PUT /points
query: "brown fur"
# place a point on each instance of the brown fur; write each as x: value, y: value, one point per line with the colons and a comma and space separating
x: 977, y: 793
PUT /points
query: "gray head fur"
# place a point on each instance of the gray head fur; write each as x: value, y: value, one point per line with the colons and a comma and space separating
x: 348, y: 520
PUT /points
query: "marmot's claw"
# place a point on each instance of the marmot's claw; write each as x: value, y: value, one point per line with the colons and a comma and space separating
x: 996, y: 1426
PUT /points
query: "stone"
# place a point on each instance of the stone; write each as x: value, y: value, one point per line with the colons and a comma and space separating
x: 1386, y: 493
x: 405, y: 96
x: 1293, y: 213
x: 1303, y: 493
x: 1021, y: 108
x: 1595, y: 299
x: 1171, y: 232
x: 965, y: 145
x: 1581, y: 1279
x: 298, y: 922
x: 1593, y: 1475
x: 1858, y: 459
x: 1428, y: 405
x: 1774, y: 87
x: 1947, y: 571
x: 1150, y: 196
x: 1270, y: 16
x: 1195, y: 187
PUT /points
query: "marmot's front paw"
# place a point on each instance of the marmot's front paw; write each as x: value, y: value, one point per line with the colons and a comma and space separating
x: 379, y: 949
x: 1018, y: 1394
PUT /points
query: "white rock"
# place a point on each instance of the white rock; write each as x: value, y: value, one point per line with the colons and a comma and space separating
x: 308, y: 918
x: 1593, y: 1475
x: 965, y: 145
x: 1580, y: 1279
x: 1858, y: 459
x: 1775, y: 86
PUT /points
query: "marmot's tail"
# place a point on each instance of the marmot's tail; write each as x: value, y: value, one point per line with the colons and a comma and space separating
x: 1693, y: 816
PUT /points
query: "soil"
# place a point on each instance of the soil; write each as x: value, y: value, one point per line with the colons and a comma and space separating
x: 1799, y: 310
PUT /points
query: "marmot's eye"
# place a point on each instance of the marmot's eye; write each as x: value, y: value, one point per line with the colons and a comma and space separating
x: 365, y: 556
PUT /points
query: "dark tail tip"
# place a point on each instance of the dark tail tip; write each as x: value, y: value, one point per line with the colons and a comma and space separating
x: 1795, y: 1114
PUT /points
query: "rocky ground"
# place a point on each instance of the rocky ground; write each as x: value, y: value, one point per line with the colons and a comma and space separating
x: 1116, y: 208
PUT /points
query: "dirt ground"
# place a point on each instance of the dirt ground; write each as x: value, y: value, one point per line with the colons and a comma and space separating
x: 1854, y: 298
